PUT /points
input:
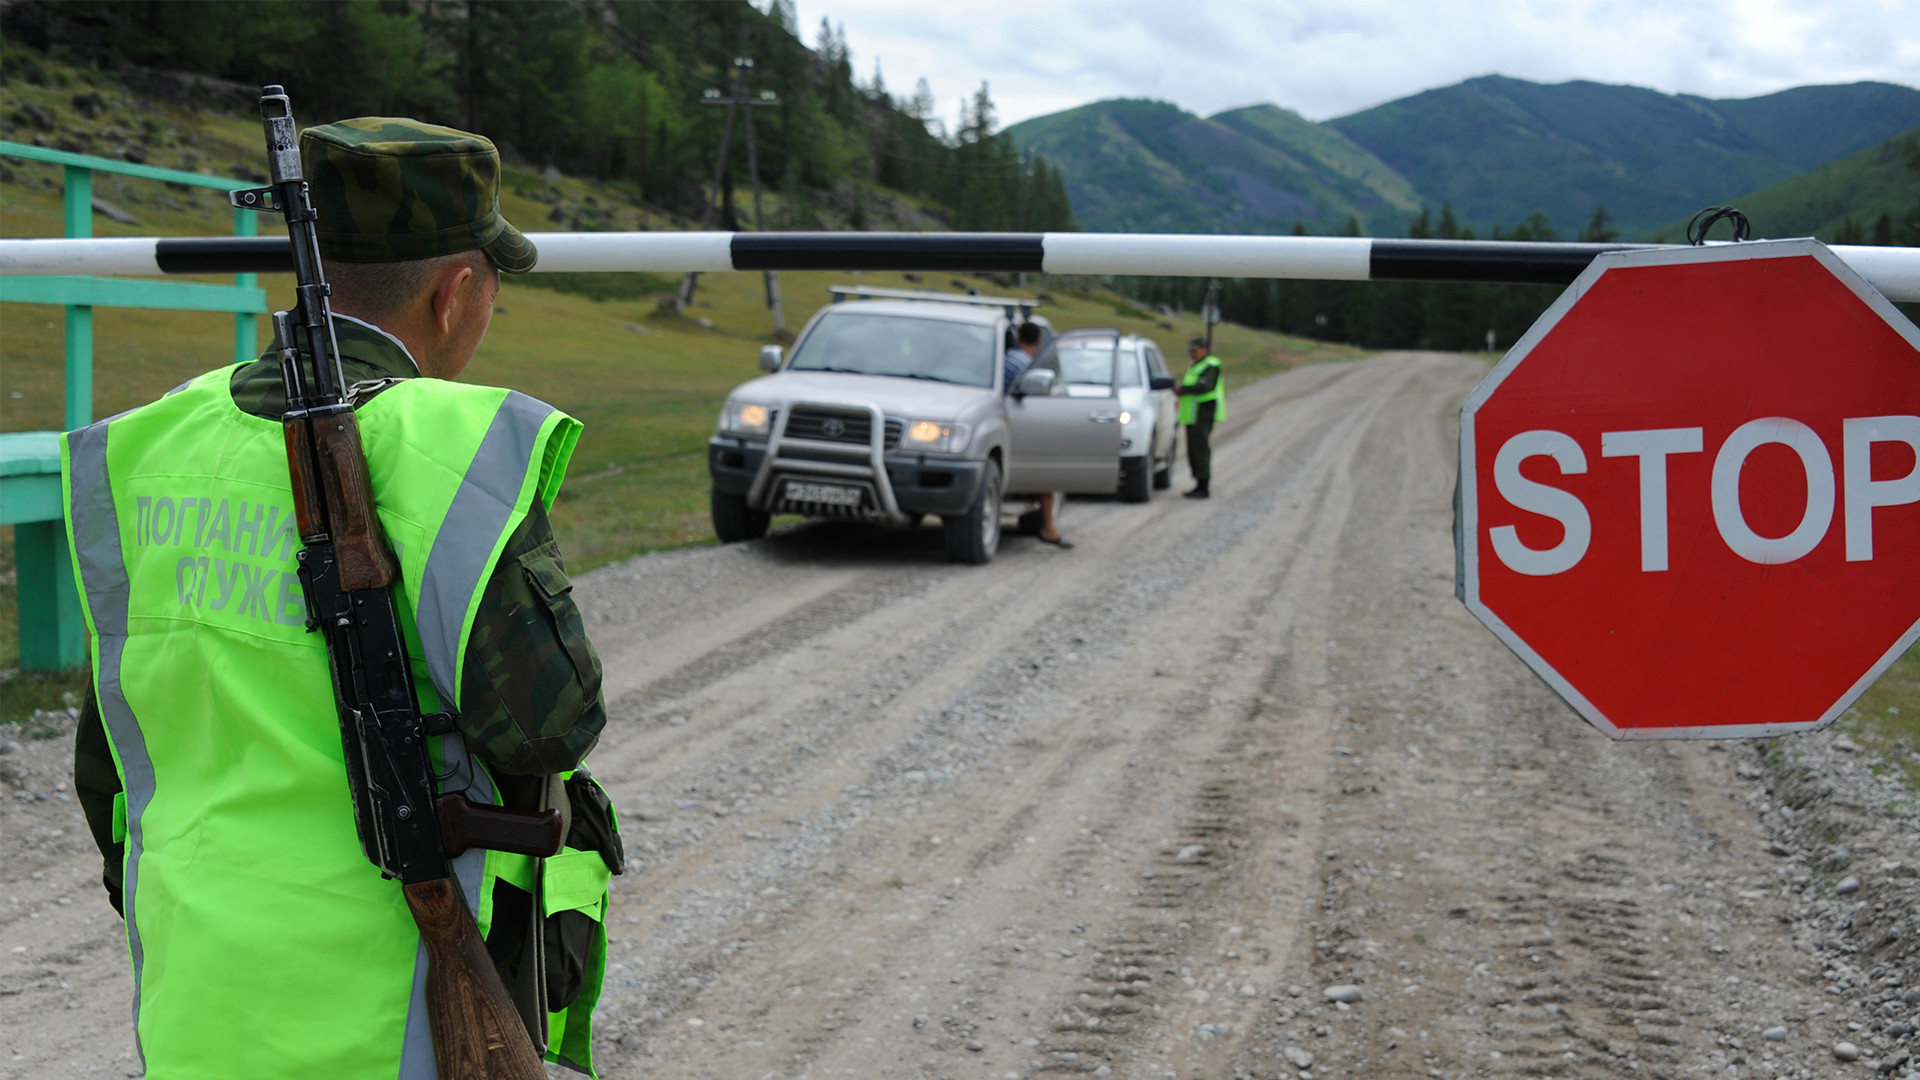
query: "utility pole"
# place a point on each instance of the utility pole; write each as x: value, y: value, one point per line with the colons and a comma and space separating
x: 738, y: 99
x: 766, y: 98
x: 1210, y: 310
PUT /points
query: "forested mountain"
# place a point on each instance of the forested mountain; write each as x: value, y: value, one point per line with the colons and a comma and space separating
x: 596, y: 88
x: 1499, y: 151
x: 1147, y: 166
x: 1872, y: 197
x: 1290, y: 133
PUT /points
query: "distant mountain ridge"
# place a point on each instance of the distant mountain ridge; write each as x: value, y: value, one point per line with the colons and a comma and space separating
x: 1851, y: 194
x: 1147, y: 166
x: 1496, y: 148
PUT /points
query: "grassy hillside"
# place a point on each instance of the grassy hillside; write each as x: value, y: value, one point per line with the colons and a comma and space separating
x: 647, y: 386
x: 1857, y: 189
x: 1147, y: 166
x: 1498, y: 148
x: 1808, y: 126
x: 1290, y: 133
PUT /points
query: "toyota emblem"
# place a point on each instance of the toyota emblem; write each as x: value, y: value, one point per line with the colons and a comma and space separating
x: 833, y: 429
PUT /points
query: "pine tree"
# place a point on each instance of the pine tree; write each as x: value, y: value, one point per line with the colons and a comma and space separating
x: 1600, y: 229
x: 1536, y: 228
x: 920, y: 107
x: 785, y: 16
x: 1912, y: 217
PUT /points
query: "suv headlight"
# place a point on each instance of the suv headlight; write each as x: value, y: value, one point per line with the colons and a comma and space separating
x: 939, y: 436
x: 744, y: 418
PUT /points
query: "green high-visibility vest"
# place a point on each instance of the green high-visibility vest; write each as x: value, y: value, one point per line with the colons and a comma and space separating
x: 263, y: 943
x: 1190, y: 403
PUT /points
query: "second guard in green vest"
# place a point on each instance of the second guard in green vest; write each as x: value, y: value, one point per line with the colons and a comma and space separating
x: 1203, y: 403
x: 209, y: 759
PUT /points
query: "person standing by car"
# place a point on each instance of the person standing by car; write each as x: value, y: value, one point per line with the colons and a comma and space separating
x: 1203, y: 403
x: 1022, y: 343
x: 1025, y: 342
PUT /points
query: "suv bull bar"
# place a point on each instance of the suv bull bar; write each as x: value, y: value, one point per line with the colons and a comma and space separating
x: 796, y: 458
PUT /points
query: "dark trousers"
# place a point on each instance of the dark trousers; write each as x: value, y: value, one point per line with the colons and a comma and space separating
x: 1200, y: 448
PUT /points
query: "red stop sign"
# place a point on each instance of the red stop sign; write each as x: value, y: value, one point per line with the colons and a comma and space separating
x: 1690, y: 495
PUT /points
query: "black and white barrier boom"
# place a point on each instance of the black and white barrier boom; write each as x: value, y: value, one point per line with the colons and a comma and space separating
x: 1894, y: 271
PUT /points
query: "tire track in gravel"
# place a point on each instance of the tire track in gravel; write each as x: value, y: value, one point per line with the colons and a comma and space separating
x: 990, y: 855
x: 1237, y: 857
x: 1515, y: 895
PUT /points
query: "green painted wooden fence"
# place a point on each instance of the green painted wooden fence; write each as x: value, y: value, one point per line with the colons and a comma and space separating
x: 52, y: 635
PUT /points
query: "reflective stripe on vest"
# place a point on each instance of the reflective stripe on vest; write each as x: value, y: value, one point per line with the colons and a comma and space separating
x: 94, y: 538
x: 1190, y: 403
x: 246, y: 893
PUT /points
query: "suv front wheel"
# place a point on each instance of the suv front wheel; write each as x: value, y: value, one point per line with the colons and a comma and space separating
x: 974, y: 536
x: 734, y: 520
x: 1135, y: 484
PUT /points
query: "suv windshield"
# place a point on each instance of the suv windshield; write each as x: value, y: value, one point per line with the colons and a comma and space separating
x: 901, y: 346
x: 1090, y: 363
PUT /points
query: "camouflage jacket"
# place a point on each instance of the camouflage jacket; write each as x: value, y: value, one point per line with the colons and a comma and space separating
x: 530, y: 688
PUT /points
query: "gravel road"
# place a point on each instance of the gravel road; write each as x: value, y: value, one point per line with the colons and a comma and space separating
x: 1147, y: 809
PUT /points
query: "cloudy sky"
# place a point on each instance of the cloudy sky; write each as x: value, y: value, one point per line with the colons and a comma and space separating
x: 1327, y: 58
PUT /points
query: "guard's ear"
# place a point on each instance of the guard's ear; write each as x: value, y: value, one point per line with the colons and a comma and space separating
x: 449, y: 293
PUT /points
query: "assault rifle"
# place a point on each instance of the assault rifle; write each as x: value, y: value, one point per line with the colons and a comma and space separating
x: 407, y: 829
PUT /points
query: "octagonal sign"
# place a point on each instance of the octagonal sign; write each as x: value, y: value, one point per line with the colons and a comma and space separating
x: 1690, y: 495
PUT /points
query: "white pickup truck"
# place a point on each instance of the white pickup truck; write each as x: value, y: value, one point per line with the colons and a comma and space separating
x: 891, y: 407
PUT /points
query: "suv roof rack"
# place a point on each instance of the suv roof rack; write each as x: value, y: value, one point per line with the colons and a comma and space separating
x: 1009, y: 304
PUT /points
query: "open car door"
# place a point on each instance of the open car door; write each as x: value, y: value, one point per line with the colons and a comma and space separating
x: 1068, y: 439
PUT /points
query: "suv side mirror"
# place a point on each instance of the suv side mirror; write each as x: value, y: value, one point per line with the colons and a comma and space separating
x: 1034, y: 382
x: 1160, y: 382
x: 770, y: 358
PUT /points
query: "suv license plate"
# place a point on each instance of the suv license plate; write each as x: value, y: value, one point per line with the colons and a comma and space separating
x: 829, y: 494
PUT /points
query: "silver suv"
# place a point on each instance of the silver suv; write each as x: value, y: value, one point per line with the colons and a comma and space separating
x: 1095, y: 360
x: 891, y: 407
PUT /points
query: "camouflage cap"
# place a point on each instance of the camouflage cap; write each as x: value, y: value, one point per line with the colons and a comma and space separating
x: 390, y: 189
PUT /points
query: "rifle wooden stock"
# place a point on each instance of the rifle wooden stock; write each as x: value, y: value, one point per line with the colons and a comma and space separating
x: 477, y: 1032
x: 467, y: 824
x: 359, y: 543
x: 307, y: 503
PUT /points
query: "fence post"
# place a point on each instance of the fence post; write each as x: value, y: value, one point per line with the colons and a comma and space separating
x: 245, y: 324
x: 53, y: 637
x: 79, y: 214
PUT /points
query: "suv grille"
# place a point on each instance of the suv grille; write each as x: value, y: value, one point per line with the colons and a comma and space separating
x: 830, y: 426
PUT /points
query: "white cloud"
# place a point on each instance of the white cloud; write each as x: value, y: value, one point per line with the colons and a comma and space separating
x: 1325, y: 58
